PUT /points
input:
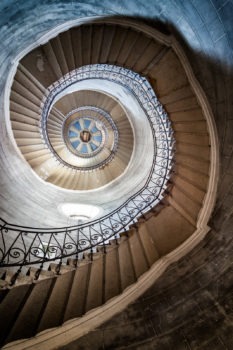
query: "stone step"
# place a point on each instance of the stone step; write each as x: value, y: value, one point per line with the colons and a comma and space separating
x: 137, y: 252
x: 11, y: 307
x: 149, y: 248
x: 159, y: 229
x: 127, y: 271
x: 31, y: 120
x: 76, y: 304
x: 29, y: 317
x: 33, y: 95
x: 95, y: 290
x: 40, y: 274
x: 25, y: 102
x: 57, y: 300
x: 112, y: 283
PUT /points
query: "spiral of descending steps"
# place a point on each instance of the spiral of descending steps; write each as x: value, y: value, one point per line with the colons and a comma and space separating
x: 160, y: 235
x: 111, y: 141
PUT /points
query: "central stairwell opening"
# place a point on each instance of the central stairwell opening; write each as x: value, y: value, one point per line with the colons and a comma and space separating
x: 63, y: 279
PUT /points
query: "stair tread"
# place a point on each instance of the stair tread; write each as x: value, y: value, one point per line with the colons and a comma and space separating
x: 54, y: 310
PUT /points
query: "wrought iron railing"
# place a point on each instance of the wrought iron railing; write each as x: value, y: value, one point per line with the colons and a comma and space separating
x: 21, y: 246
x: 133, y: 82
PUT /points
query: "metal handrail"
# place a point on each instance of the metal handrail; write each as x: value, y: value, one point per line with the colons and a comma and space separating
x: 21, y: 246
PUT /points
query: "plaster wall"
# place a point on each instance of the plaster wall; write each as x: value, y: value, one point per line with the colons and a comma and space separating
x: 190, y: 306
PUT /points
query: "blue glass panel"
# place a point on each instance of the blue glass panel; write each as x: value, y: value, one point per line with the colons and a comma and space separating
x: 72, y: 134
x: 93, y: 147
x: 84, y: 149
x: 97, y: 138
x: 75, y: 144
x: 87, y: 123
x: 94, y: 129
x: 77, y: 125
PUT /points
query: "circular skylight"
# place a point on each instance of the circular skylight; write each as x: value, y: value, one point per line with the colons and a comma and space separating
x: 78, y: 211
x: 85, y: 136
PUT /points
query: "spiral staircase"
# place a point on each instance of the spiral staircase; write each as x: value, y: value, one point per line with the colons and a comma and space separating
x: 55, y: 294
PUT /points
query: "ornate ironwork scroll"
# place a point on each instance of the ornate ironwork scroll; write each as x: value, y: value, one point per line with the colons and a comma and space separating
x: 26, y: 246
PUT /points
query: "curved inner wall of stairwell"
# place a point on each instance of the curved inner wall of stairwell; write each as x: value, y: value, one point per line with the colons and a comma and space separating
x: 141, y: 159
x: 106, y: 201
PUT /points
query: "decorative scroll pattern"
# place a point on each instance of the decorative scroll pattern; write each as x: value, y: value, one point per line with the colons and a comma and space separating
x: 133, y: 82
x: 32, y: 246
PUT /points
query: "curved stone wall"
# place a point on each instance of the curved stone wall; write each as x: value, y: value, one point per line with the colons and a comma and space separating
x: 193, y: 308
x: 190, y: 306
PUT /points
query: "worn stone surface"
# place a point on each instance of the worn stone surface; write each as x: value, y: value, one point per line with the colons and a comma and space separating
x: 206, y: 37
x: 190, y: 306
